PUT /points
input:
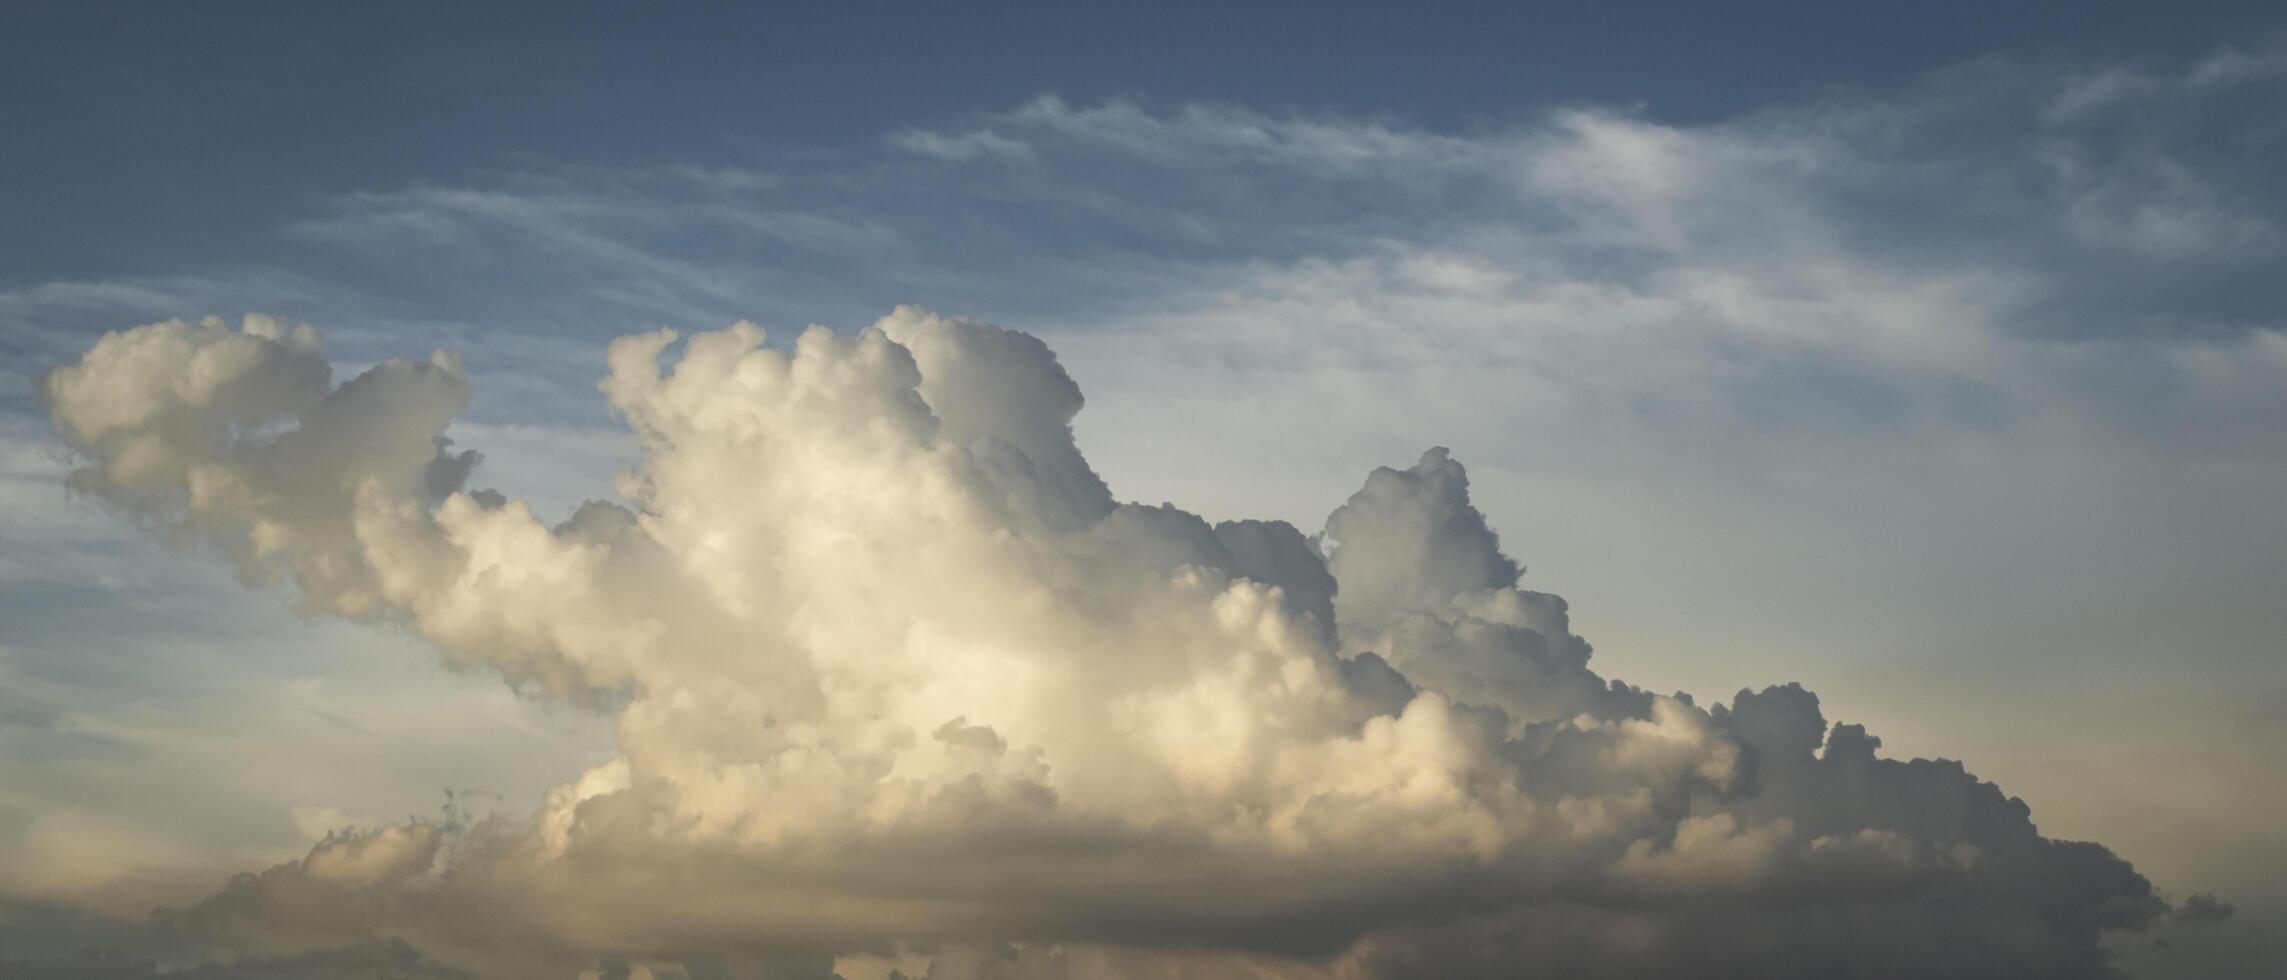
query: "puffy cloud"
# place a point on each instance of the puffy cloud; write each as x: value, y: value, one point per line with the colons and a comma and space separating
x: 896, y: 676
x: 181, y: 416
x: 2205, y: 908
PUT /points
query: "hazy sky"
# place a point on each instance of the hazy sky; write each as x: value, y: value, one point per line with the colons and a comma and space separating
x: 1930, y: 356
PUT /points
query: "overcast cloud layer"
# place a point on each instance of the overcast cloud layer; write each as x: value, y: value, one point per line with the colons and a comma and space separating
x: 1961, y: 402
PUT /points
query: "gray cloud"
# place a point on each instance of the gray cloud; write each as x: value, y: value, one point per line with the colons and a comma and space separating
x: 2203, y: 907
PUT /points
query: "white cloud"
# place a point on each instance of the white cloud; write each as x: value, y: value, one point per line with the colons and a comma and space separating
x: 890, y: 665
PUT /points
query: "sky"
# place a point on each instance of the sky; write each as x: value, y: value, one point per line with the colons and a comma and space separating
x: 1931, y: 358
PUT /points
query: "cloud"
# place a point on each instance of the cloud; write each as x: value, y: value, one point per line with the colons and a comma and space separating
x: 2040, y: 250
x: 2005, y: 248
x: 893, y: 669
x: 2203, y: 907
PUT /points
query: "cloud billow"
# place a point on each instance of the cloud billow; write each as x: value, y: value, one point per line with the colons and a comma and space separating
x: 895, y: 674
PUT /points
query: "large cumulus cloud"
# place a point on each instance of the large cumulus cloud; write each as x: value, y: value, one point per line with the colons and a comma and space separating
x: 898, y: 679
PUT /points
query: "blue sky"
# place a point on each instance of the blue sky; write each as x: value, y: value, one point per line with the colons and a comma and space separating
x: 173, y: 126
x: 1932, y: 355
